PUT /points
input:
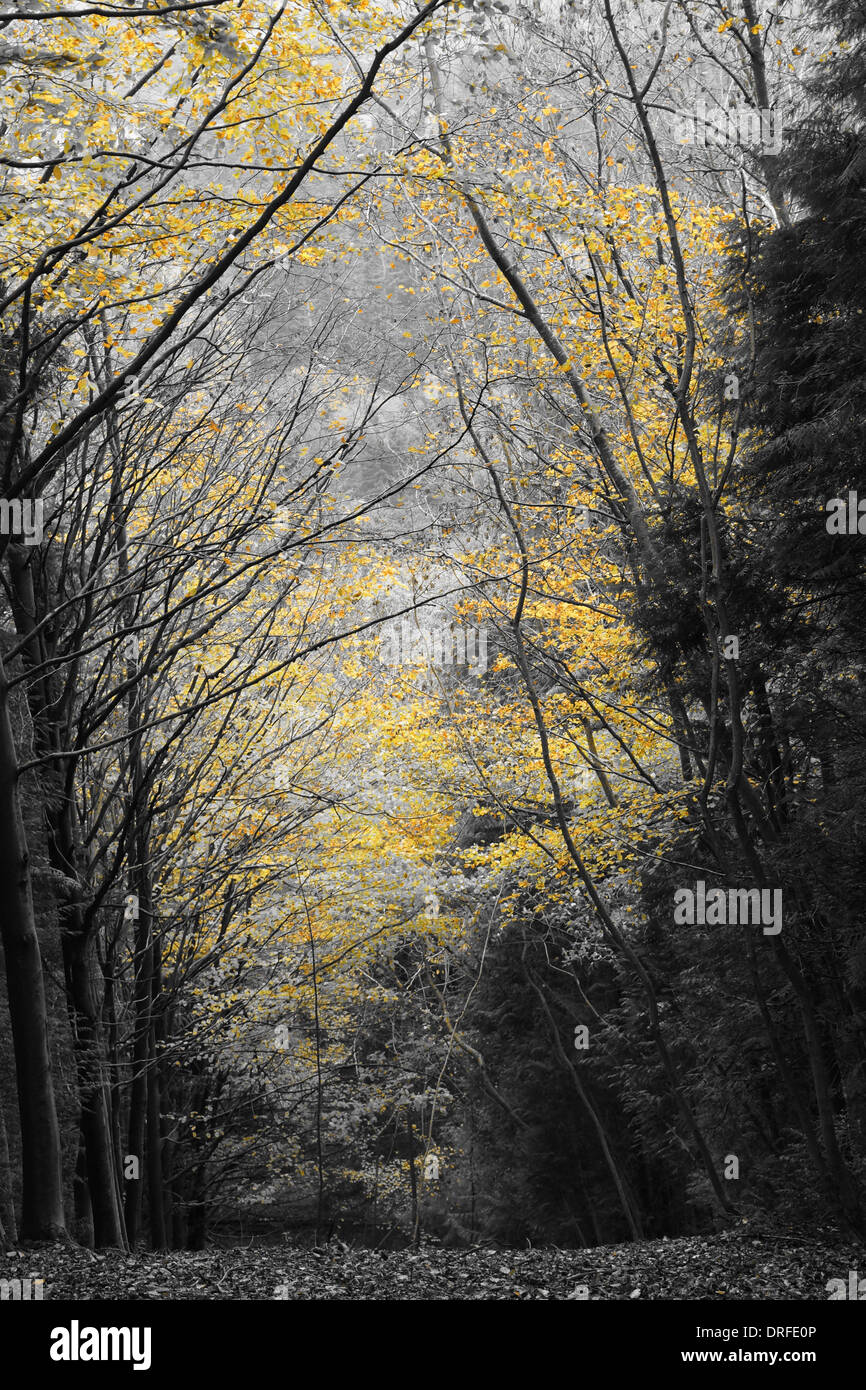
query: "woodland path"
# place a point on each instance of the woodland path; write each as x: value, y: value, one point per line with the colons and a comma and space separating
x: 734, y: 1264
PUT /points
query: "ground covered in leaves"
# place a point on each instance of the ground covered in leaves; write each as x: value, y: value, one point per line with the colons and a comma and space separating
x: 734, y: 1264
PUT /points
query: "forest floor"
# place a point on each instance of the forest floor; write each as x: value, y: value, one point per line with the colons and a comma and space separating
x: 734, y: 1264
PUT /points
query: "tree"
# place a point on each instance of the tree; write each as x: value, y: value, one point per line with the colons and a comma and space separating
x: 102, y: 270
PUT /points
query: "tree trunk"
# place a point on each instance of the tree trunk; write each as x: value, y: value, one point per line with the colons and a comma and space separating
x: 94, y: 1098
x: 30, y: 597
x: 81, y: 1198
x: 155, y: 1195
x: 629, y: 1208
x: 8, y: 1224
x: 413, y: 1180
x: 141, y: 1063
x: 42, y: 1216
